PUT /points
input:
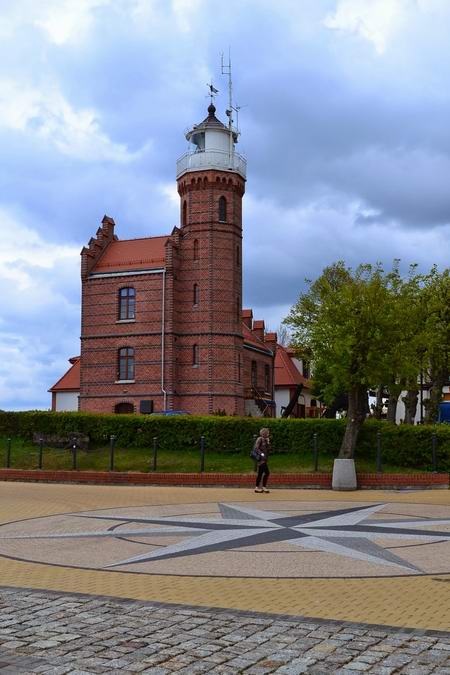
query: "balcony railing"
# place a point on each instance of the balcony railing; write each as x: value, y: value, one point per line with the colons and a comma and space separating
x: 212, y: 159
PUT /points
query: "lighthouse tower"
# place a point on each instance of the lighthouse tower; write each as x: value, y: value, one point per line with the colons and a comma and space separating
x: 208, y: 286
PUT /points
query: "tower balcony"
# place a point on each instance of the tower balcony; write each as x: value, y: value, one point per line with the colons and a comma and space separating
x: 221, y: 160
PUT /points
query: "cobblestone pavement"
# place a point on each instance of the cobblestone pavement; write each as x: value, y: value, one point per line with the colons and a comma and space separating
x: 48, y: 632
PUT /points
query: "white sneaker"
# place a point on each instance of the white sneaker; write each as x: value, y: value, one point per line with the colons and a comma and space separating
x: 259, y: 490
x: 265, y: 490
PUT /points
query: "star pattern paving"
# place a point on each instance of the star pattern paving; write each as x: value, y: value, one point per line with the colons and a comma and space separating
x: 345, y: 532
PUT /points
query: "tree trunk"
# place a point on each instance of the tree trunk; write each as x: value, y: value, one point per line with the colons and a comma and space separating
x: 410, y: 401
x: 357, y: 411
x: 392, y: 408
x: 438, y: 380
x: 378, y: 410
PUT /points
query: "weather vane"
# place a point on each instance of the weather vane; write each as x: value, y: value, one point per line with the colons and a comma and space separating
x: 212, y: 91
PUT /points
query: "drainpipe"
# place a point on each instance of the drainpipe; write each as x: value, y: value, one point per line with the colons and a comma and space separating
x: 163, y: 337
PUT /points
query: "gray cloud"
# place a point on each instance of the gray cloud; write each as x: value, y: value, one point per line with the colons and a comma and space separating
x: 345, y: 130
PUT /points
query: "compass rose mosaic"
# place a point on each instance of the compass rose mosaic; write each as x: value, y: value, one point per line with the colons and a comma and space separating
x: 240, y: 539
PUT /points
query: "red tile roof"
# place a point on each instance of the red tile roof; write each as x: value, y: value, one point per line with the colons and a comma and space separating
x: 70, y: 381
x: 286, y: 372
x: 253, y: 340
x: 133, y: 254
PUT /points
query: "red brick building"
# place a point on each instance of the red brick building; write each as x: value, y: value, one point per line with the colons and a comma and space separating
x: 162, y: 326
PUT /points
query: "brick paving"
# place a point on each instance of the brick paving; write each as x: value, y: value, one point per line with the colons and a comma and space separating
x: 59, y: 633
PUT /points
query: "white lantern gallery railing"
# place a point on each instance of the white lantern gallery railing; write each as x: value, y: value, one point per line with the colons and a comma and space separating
x: 212, y: 159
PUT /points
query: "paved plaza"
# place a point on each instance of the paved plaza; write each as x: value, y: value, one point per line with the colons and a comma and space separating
x: 98, y: 579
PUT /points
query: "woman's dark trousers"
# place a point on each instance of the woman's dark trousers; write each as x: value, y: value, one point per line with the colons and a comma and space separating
x: 263, y: 473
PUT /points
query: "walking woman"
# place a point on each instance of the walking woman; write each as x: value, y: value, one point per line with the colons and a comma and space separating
x: 263, y: 446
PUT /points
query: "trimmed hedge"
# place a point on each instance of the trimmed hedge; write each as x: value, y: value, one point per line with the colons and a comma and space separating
x: 404, y: 445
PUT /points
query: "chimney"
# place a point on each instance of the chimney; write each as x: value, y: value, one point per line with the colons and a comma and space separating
x: 270, y: 339
x: 258, y: 329
x: 247, y: 318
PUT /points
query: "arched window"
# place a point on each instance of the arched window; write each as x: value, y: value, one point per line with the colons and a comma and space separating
x: 238, y: 256
x: 124, y: 408
x: 195, y: 295
x: 126, y: 363
x: 195, y: 355
x: 184, y: 214
x: 222, y: 210
x: 195, y: 249
x: 127, y: 304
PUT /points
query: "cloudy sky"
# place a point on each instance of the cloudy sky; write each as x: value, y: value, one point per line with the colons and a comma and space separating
x: 345, y: 125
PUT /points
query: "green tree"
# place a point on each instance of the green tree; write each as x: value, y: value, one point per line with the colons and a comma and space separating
x: 435, y: 336
x: 358, y: 326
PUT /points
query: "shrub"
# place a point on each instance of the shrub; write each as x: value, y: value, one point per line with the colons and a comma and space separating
x: 403, y: 445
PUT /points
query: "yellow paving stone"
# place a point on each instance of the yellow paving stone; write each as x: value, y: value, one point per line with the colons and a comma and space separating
x: 421, y: 602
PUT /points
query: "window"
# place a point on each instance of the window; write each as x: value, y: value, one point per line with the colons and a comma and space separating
x: 127, y: 304
x: 266, y: 378
x: 126, y: 363
x: 195, y: 355
x: 238, y: 308
x: 195, y: 295
x: 195, y: 249
x: 239, y: 368
x: 238, y: 256
x: 124, y: 408
x: 184, y: 214
x: 222, y: 210
x: 254, y: 375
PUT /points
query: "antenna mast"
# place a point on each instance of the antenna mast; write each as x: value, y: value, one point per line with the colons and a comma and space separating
x: 226, y: 70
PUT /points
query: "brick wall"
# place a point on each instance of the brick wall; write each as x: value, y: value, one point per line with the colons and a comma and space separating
x: 210, y: 256
x: 205, y: 251
x: 103, y: 334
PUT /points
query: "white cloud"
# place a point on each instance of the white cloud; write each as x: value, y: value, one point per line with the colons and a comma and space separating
x: 49, y: 116
x: 67, y: 20
x: 185, y: 12
x: 59, y: 21
x: 373, y: 20
x: 39, y: 325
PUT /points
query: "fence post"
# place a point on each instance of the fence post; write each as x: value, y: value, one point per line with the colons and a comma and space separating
x: 111, y: 452
x: 202, y: 454
x: 41, y: 449
x: 74, y: 456
x: 315, y: 452
x: 255, y: 463
x: 433, y: 452
x: 379, y: 466
x: 8, y: 453
x: 155, y: 452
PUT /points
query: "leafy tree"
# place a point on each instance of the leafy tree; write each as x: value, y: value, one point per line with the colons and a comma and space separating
x: 340, y: 321
x: 435, y: 336
x: 359, y: 326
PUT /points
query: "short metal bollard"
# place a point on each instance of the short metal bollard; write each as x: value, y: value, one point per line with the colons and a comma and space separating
x: 315, y: 453
x: 202, y: 454
x: 74, y: 457
x: 41, y: 452
x: 8, y: 453
x: 379, y: 466
x: 433, y: 452
x: 112, y: 447
x: 155, y: 452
